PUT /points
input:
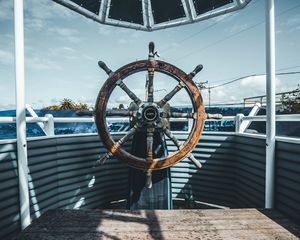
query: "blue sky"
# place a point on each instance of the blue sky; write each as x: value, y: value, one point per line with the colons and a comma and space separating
x: 62, y: 49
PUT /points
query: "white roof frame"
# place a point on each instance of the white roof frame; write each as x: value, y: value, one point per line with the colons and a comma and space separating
x: 149, y: 24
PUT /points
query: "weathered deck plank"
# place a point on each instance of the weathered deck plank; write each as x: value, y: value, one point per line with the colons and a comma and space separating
x: 159, y: 224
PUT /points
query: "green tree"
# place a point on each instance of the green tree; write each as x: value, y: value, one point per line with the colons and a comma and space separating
x: 52, y: 107
x: 81, y: 106
x: 66, y: 104
x: 291, y: 101
x: 121, y: 106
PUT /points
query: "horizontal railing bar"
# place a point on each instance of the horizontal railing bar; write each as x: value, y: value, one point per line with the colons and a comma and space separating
x: 262, y: 118
x: 72, y: 119
x: 224, y: 118
x: 28, y: 119
x: 279, y: 118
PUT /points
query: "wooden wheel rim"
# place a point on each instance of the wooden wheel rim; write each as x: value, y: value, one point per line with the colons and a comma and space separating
x: 131, y: 160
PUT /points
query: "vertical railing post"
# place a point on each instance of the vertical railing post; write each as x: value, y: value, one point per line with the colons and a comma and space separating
x: 238, y: 122
x: 271, y: 107
x: 21, y: 114
x: 49, y: 125
x: 190, y: 124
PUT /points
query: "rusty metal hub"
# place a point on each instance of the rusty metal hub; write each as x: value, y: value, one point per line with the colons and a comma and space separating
x: 150, y: 113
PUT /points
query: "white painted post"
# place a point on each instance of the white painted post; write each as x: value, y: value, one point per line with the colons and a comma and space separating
x: 49, y: 125
x: 33, y: 114
x: 21, y: 115
x: 246, y: 123
x: 271, y: 105
x: 238, y: 122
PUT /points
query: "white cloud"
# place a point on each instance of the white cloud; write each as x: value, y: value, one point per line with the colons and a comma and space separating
x: 69, y: 34
x: 131, y: 36
x: 293, y: 21
x: 254, y: 82
x: 89, y: 101
x: 7, y: 106
x: 39, y: 14
x: 54, y: 101
x: 122, y: 99
x: 105, y: 30
x: 237, y: 28
x: 220, y: 94
x: 45, y: 9
x: 34, y: 24
x: 38, y: 63
x: 6, y: 12
x: 68, y: 49
x: 62, y: 52
x: 235, y: 93
x: 290, y: 25
x: 88, y: 57
x: 122, y: 41
x: 257, y: 83
x: 6, y: 57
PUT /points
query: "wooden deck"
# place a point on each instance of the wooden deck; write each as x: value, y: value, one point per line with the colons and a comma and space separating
x: 214, y: 224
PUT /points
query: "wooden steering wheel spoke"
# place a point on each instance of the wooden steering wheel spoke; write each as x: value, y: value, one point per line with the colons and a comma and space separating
x: 122, y: 85
x: 151, y: 70
x: 149, y: 179
x: 170, y: 135
x: 117, y: 145
x: 190, y: 156
x: 120, y: 113
x: 181, y: 115
x: 150, y: 88
x: 150, y: 133
x: 171, y: 94
x: 149, y: 156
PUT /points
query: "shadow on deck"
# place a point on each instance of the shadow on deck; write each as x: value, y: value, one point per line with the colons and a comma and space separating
x: 161, y: 224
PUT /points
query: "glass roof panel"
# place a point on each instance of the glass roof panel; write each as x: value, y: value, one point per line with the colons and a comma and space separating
x: 90, y: 5
x: 128, y: 11
x: 167, y: 10
x: 202, y: 6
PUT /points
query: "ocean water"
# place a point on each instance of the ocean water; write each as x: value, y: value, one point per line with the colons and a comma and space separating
x: 8, y: 130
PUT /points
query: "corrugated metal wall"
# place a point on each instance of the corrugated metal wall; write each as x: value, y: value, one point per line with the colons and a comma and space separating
x: 232, y: 174
x: 62, y: 176
x: 249, y: 183
x: 287, y: 196
x: 214, y: 183
x: 9, y: 192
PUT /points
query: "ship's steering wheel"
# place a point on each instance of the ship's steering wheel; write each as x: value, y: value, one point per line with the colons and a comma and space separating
x: 150, y: 116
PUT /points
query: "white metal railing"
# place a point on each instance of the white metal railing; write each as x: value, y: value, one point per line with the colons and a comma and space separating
x: 242, y: 122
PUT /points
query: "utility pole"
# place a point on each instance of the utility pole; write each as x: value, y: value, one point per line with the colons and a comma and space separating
x: 201, y: 86
x: 209, y: 91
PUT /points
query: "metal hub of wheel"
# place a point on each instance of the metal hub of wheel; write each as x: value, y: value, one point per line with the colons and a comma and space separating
x: 150, y: 113
x: 149, y: 116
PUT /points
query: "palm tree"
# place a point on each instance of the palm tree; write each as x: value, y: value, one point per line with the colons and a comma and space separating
x: 66, y: 104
